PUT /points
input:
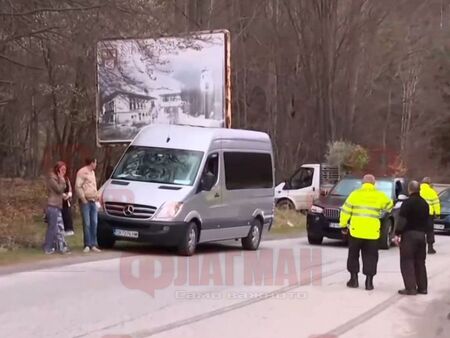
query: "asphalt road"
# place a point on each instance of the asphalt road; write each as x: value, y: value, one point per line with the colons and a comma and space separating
x: 286, y: 289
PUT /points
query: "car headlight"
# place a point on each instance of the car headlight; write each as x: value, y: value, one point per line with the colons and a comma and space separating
x: 316, y: 209
x: 168, y: 210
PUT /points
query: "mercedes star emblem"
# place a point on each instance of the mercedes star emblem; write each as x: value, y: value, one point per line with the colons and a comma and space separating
x: 128, y: 210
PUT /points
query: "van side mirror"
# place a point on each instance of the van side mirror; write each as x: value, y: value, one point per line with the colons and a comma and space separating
x: 207, y: 182
x: 287, y: 184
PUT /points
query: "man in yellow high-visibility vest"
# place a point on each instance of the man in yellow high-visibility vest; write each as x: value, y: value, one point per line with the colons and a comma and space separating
x: 432, y: 198
x: 361, y: 213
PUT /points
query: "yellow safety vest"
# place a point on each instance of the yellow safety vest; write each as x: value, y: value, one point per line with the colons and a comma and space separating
x: 431, y: 197
x: 363, y: 210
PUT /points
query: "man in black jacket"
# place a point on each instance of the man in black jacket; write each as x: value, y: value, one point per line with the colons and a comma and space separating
x: 412, y: 226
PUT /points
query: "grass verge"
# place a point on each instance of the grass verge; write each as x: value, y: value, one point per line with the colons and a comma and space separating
x: 22, y: 229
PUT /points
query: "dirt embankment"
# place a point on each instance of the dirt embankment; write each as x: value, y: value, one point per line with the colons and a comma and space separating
x: 21, y: 212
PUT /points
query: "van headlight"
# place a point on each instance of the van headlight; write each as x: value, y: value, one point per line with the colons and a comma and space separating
x: 316, y: 209
x: 168, y: 210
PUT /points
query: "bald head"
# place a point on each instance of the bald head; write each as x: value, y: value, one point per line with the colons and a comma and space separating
x: 413, y: 187
x: 426, y: 180
x: 368, y: 179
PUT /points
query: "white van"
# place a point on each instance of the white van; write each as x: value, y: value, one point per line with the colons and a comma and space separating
x: 181, y: 185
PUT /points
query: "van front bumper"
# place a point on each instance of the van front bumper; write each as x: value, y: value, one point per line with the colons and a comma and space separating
x: 152, y: 232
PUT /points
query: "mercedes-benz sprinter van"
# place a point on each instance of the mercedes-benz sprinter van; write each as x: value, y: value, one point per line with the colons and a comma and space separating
x: 181, y: 185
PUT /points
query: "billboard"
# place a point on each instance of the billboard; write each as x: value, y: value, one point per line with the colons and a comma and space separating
x: 171, y: 80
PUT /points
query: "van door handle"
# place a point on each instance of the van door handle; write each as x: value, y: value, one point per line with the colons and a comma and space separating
x: 216, y: 195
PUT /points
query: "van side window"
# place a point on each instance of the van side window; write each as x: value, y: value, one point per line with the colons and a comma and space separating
x: 302, y: 178
x: 248, y: 170
x: 212, y: 165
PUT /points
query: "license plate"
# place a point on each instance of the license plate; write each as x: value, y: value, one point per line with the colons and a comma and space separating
x: 439, y: 226
x: 126, y: 233
x: 335, y: 225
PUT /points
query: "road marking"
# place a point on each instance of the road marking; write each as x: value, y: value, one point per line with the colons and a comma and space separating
x: 217, y: 312
x: 362, y: 318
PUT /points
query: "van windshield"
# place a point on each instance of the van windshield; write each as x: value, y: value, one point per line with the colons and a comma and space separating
x: 346, y: 186
x: 159, y: 165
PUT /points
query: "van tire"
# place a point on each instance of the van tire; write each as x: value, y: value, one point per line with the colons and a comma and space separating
x: 315, y: 240
x: 105, y: 238
x: 285, y: 204
x: 251, y: 242
x: 189, y: 241
x: 386, y: 235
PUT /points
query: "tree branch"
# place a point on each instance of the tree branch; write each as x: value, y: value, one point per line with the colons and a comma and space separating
x: 52, y: 10
x: 17, y: 63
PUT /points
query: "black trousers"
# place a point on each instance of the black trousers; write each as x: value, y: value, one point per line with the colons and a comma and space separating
x: 430, y: 234
x: 67, y: 217
x: 412, y: 260
x: 369, y: 253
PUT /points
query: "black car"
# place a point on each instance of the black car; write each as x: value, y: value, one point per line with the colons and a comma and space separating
x: 443, y: 222
x: 323, y: 217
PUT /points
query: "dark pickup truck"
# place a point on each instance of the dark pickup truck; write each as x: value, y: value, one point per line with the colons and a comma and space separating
x: 323, y: 216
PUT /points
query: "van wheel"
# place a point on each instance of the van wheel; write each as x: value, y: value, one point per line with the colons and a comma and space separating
x: 189, y: 242
x: 251, y: 242
x: 285, y: 204
x: 105, y: 238
x: 387, y: 233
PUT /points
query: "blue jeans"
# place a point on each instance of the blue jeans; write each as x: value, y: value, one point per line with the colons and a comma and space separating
x: 54, y: 239
x: 90, y: 220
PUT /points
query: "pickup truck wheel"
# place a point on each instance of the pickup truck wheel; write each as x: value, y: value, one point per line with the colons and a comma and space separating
x: 285, y: 204
x: 315, y: 240
x: 189, y: 241
x: 251, y: 242
x: 387, y: 233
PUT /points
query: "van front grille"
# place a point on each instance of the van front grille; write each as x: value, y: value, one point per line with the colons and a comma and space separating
x: 332, y: 213
x: 128, y: 210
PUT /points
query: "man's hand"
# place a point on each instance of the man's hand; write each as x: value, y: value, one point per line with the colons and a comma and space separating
x: 397, y: 240
x: 344, y: 231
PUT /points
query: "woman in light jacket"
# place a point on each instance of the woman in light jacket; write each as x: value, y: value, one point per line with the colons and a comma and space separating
x: 56, y: 185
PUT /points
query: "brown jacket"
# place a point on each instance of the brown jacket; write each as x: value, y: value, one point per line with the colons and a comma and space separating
x: 86, y: 185
x: 55, y: 188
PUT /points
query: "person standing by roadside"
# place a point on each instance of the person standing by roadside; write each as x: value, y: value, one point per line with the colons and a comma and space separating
x: 86, y: 190
x: 67, y: 208
x: 361, y: 213
x: 56, y: 185
x: 432, y: 198
x: 412, y: 226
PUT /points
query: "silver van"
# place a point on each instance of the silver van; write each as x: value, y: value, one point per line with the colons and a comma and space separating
x: 180, y: 186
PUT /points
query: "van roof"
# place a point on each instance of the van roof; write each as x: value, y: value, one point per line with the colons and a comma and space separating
x: 190, y: 137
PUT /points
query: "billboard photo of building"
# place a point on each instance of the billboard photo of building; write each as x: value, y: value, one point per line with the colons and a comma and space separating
x: 176, y: 80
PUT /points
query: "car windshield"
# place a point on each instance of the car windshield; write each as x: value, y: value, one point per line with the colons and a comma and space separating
x: 159, y: 165
x: 445, y: 196
x: 346, y: 186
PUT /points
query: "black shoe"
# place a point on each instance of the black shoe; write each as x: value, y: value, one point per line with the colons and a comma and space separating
x: 422, y: 292
x: 431, y: 250
x: 369, y: 283
x: 353, y: 282
x: 407, y: 292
